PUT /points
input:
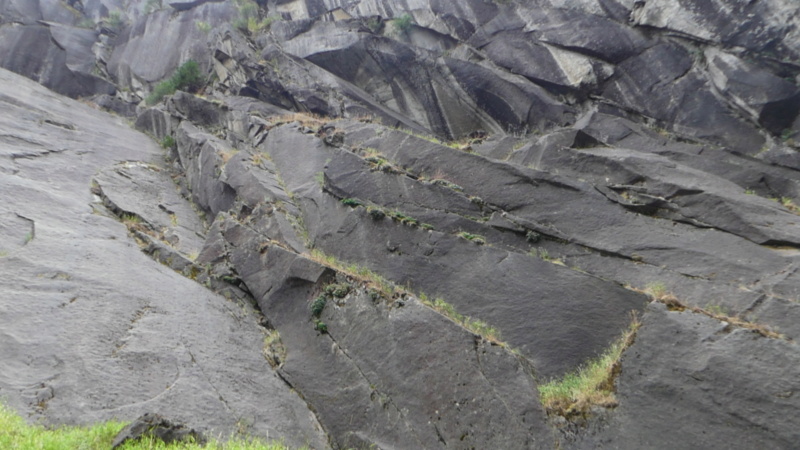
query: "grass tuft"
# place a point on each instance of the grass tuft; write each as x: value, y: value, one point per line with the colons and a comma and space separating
x: 592, y: 384
x: 476, y: 326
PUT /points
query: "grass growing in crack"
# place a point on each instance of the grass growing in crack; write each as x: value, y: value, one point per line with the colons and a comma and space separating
x: 130, y: 219
x: 186, y: 78
x: 379, y: 286
x: 15, y: 433
x: 404, y: 23
x: 658, y: 292
x: 168, y: 142
x: 273, y: 349
x: 476, y: 238
x: 361, y: 274
x: 592, y: 384
x: 789, y: 204
x: 476, y: 326
x: 352, y: 202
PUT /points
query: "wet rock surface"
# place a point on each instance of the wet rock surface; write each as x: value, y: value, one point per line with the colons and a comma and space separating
x: 537, y: 166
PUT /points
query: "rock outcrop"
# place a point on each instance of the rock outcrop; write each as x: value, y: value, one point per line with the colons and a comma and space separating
x: 389, y: 224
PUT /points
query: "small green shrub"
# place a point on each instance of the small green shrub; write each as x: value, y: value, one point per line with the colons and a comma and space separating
x: 168, y: 142
x: 321, y: 326
x: 376, y: 213
x: 318, y: 305
x: 319, y: 177
x: 374, y: 24
x: 205, y: 27
x: 476, y: 238
x: 352, y: 202
x: 339, y: 290
x: 186, y: 78
x: 152, y: 6
x: 115, y: 20
x: 404, y: 23
x: 86, y: 22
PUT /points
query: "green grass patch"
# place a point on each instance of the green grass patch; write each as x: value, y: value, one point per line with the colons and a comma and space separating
x: 476, y: 326
x: 16, y: 434
x: 186, y: 78
x: 476, y: 238
x: 592, y: 384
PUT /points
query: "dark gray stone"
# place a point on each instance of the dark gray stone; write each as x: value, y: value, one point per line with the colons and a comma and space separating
x: 707, y: 378
x: 114, y: 334
x: 156, y: 426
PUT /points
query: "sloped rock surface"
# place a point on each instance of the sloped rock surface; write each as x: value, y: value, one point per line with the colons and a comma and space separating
x: 682, y: 371
x: 92, y: 328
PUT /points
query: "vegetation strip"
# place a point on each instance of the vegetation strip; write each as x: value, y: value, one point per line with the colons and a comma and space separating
x: 388, y: 290
x: 592, y: 384
x: 658, y: 292
x: 15, y: 434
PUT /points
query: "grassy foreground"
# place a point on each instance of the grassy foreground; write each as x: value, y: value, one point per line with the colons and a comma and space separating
x: 16, y: 434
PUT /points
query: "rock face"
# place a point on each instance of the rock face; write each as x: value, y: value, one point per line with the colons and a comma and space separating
x: 388, y: 224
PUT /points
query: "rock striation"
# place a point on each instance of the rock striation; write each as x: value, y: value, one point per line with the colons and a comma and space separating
x: 389, y: 224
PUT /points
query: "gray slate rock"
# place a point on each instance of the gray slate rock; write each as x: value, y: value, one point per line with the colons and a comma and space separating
x: 113, y: 333
x: 159, y: 428
x: 723, y: 387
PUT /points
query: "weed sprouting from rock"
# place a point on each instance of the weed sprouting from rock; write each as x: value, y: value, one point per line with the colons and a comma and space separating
x: 352, y: 202
x: 404, y: 23
x: 186, y: 78
x: 318, y: 305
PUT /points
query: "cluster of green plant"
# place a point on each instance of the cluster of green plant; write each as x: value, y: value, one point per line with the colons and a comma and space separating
x: 152, y: 6
x: 337, y: 290
x: 658, y: 292
x: 318, y: 305
x: 87, y: 23
x: 476, y: 238
x: 447, y: 184
x: 186, y: 78
x: 540, y: 253
x: 248, y: 20
x: 404, y: 23
x: 789, y: 204
x: 129, y: 218
x: 532, y: 236
x: 205, y: 27
x: 168, y: 142
x: 374, y: 24
x: 381, y: 164
x: 115, y: 20
x: 372, y: 280
x: 379, y: 287
x: 320, y: 326
x: 378, y: 213
x: 15, y: 433
x: 591, y: 384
